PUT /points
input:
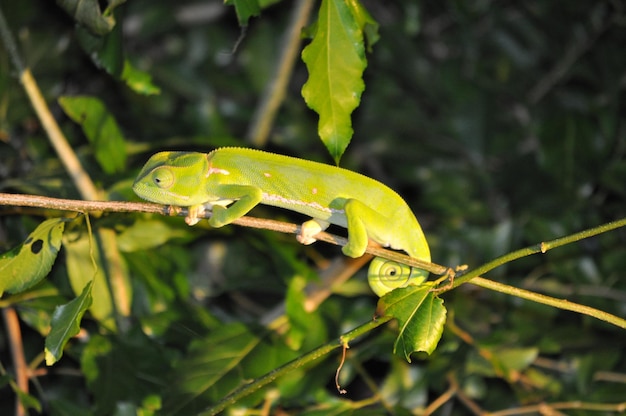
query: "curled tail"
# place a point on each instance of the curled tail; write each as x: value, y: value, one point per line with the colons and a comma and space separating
x: 385, y: 275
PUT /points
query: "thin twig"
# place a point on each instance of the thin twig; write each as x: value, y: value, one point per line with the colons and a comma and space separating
x: 550, y: 301
x: 17, y: 354
x: 276, y: 89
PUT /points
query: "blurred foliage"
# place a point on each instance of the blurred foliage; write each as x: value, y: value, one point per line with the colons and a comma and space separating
x: 501, y: 123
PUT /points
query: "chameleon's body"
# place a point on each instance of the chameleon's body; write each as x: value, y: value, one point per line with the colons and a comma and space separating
x: 231, y: 181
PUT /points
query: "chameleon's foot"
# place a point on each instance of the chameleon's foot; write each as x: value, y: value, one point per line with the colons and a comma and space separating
x: 193, y: 214
x: 309, y: 229
x: 353, y: 250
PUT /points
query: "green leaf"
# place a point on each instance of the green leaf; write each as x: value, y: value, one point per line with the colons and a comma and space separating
x: 146, y: 234
x: 139, y: 81
x: 200, y: 379
x: 366, y: 22
x: 84, y: 265
x: 28, y: 401
x: 124, y: 369
x: 88, y: 13
x: 335, y: 60
x: 245, y: 9
x: 421, y: 316
x: 65, y: 324
x: 106, y: 51
x: 28, y: 263
x: 306, y: 327
x: 216, y: 365
x: 100, y: 128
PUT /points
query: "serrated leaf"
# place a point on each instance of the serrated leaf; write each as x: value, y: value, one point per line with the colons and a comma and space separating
x: 100, y: 128
x: 365, y: 22
x: 421, y: 317
x: 65, y: 324
x: 245, y: 9
x: 25, y: 265
x: 335, y: 60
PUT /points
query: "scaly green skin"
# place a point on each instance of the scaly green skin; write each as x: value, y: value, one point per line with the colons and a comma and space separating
x: 232, y: 181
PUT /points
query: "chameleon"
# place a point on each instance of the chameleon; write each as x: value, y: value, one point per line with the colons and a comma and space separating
x: 230, y: 181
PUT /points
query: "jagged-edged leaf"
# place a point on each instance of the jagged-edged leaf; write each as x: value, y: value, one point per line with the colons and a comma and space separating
x: 245, y: 9
x: 100, y: 128
x: 65, y: 324
x: 335, y: 60
x: 25, y: 265
x: 365, y: 22
x: 421, y: 317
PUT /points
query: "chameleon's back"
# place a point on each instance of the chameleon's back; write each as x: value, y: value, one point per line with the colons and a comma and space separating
x: 320, y: 191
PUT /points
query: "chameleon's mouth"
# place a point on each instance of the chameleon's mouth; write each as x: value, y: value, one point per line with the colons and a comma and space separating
x: 156, y: 195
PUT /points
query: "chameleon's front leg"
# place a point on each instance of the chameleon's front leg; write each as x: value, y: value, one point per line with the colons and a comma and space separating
x: 245, y: 197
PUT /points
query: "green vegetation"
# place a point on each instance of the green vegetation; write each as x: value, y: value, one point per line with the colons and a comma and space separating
x: 501, y: 124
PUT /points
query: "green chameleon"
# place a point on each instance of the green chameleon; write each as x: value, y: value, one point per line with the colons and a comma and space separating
x: 232, y: 181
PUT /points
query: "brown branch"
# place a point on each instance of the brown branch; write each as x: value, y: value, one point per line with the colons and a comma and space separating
x: 251, y: 222
x: 17, y: 353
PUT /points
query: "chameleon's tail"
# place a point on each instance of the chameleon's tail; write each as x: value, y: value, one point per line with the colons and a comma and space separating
x: 385, y: 275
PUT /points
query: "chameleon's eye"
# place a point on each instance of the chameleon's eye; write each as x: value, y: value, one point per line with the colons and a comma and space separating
x: 385, y: 275
x: 163, y: 178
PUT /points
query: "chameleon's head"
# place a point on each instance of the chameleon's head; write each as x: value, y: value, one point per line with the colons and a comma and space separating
x: 172, y: 178
x: 385, y: 275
